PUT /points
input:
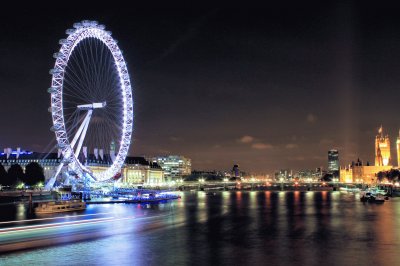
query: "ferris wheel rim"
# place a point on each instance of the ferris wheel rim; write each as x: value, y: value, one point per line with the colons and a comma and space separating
x: 84, y: 30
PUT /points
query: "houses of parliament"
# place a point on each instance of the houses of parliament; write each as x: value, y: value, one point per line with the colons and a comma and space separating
x: 359, y: 173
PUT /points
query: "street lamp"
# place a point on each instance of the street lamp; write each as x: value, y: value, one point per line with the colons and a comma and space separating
x: 201, y: 180
x: 40, y: 185
x: 21, y: 185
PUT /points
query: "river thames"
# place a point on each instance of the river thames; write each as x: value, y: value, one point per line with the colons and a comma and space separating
x: 229, y: 228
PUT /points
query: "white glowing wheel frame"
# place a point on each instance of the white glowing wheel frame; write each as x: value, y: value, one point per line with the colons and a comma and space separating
x: 89, y: 29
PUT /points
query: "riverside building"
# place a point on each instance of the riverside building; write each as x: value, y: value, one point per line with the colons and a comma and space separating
x: 174, y: 166
x: 382, y: 149
x: 359, y: 172
x: 333, y: 162
x: 136, y: 170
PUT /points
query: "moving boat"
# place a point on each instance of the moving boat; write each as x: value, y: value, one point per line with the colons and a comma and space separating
x: 60, y: 206
x: 373, y: 195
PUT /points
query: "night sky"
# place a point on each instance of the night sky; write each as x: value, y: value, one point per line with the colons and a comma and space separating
x: 264, y: 87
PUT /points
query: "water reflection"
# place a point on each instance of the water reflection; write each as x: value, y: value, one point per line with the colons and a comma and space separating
x: 274, y: 228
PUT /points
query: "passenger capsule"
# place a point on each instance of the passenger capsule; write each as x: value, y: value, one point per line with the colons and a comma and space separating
x: 55, y: 128
x: 78, y: 25
x: 70, y: 31
x: 52, y: 90
x: 54, y: 71
x: 86, y: 23
x: 63, y: 41
x: 101, y: 26
x: 57, y: 55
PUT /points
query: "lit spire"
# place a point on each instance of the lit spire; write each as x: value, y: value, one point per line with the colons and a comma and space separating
x: 381, y: 130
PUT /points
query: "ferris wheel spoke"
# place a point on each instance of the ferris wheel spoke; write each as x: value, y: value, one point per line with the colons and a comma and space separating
x: 77, y: 73
x: 71, y: 121
x: 112, y: 92
x: 102, y: 65
x: 84, y: 69
x: 76, y: 86
x: 73, y: 81
x: 75, y: 96
x: 95, y: 63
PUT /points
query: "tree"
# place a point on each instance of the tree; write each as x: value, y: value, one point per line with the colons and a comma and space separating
x: 327, y: 178
x: 393, y: 175
x: 381, y: 175
x: 34, y: 174
x: 15, y: 174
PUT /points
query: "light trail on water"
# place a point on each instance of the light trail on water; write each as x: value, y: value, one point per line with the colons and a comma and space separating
x: 57, y: 225
x: 54, y: 218
x: 29, y: 228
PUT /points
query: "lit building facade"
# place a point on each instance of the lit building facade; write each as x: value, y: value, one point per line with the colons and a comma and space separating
x: 382, y: 149
x: 308, y: 175
x: 174, y: 166
x: 283, y: 174
x: 333, y: 162
x: 359, y: 173
x: 136, y: 170
x: 49, y: 162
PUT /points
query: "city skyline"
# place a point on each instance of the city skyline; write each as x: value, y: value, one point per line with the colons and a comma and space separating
x: 225, y: 86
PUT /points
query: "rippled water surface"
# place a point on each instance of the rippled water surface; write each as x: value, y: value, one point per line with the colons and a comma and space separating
x: 229, y: 228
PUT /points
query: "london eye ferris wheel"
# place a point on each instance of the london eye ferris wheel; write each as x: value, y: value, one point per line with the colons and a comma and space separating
x: 91, y: 100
